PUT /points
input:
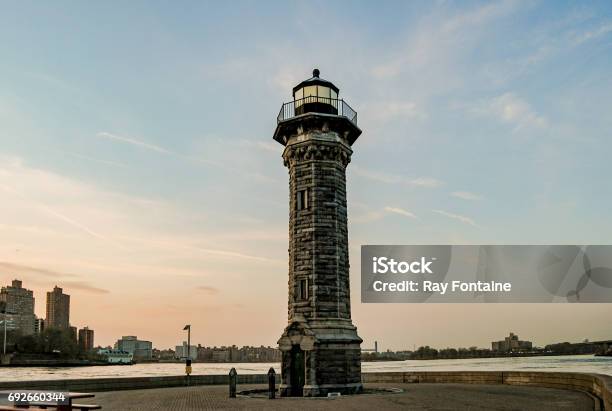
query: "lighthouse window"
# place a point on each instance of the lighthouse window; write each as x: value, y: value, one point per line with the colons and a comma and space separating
x: 299, y: 94
x: 299, y: 98
x: 324, y: 92
x: 310, y: 91
x: 334, y: 99
x: 303, y: 289
x: 302, y: 199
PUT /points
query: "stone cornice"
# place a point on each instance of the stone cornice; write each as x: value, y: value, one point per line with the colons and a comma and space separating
x: 317, y: 150
x: 306, y: 123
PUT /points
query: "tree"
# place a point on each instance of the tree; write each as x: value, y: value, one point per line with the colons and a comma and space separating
x: 28, y: 344
x: 58, y: 341
x: 425, y: 353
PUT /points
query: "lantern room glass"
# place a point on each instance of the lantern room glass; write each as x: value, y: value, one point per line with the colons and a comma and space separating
x: 316, y: 98
x: 324, y: 92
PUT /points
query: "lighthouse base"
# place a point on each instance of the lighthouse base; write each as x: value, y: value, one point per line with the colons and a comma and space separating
x: 320, y: 357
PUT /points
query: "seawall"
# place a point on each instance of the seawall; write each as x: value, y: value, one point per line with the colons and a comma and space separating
x: 598, y: 385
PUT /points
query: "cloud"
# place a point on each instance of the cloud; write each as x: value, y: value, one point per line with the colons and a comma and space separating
x: 431, y: 49
x: 269, y: 146
x: 72, y: 222
x: 400, y: 211
x: 466, y: 195
x: 286, y: 77
x: 18, y: 269
x: 479, y: 16
x: 591, y: 34
x: 82, y: 286
x: 386, y: 110
x: 425, y: 182
x: 376, y: 175
x: 374, y: 215
x: 235, y: 254
x: 208, y: 289
x: 134, y: 142
x: 367, y: 217
x: 197, y: 159
x: 511, y: 108
x: 210, y: 150
x: 458, y: 217
x: 50, y: 211
x: 54, y: 221
x: 541, y: 45
x: 261, y: 178
x: 96, y: 160
x: 508, y: 108
x: 269, y: 233
x: 62, y: 279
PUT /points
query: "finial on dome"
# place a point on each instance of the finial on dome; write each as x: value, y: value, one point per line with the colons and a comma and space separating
x: 315, y: 73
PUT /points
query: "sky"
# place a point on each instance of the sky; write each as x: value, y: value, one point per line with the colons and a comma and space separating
x: 138, y: 170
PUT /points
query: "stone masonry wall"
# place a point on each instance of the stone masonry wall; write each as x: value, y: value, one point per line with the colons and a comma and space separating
x: 346, y: 360
x: 318, y: 235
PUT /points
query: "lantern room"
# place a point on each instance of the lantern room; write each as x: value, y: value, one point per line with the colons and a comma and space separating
x: 315, y: 95
x: 316, y: 105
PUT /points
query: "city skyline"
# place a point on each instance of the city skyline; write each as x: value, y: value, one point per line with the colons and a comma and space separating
x: 138, y: 170
x: 376, y: 343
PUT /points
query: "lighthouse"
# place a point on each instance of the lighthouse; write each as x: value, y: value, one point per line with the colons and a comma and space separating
x: 320, y: 347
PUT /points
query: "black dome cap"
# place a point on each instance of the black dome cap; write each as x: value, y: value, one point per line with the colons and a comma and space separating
x: 315, y: 80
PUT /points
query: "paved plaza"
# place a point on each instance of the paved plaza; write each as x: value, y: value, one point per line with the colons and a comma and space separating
x: 414, y: 397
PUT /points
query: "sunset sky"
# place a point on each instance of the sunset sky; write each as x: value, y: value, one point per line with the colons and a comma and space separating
x: 138, y: 170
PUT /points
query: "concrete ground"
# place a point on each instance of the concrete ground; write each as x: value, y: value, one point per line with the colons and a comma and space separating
x: 414, y: 397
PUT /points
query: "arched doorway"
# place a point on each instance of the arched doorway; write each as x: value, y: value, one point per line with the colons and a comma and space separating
x: 297, y: 372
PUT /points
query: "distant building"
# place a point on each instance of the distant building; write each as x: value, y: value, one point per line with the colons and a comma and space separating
x: 39, y: 325
x: 58, y: 309
x: 19, y: 303
x: 140, y: 349
x: 73, y: 333
x: 86, y: 339
x: 164, y: 355
x: 236, y: 354
x: 181, y: 352
x: 511, y: 344
x: 12, y: 320
x: 116, y: 356
x: 221, y: 355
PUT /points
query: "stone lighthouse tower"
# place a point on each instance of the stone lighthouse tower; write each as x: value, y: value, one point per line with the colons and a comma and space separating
x: 320, y: 346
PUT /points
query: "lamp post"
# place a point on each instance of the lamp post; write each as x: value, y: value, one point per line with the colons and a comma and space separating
x: 188, y: 356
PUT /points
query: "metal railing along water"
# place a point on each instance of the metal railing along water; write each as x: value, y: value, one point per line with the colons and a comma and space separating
x: 323, y: 105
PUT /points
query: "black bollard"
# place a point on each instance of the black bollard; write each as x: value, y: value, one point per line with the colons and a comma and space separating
x: 232, y: 382
x: 271, y: 383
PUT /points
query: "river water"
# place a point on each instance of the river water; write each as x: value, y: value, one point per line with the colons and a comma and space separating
x: 569, y: 363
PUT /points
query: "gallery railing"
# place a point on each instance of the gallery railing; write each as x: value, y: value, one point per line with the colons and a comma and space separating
x: 315, y: 104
